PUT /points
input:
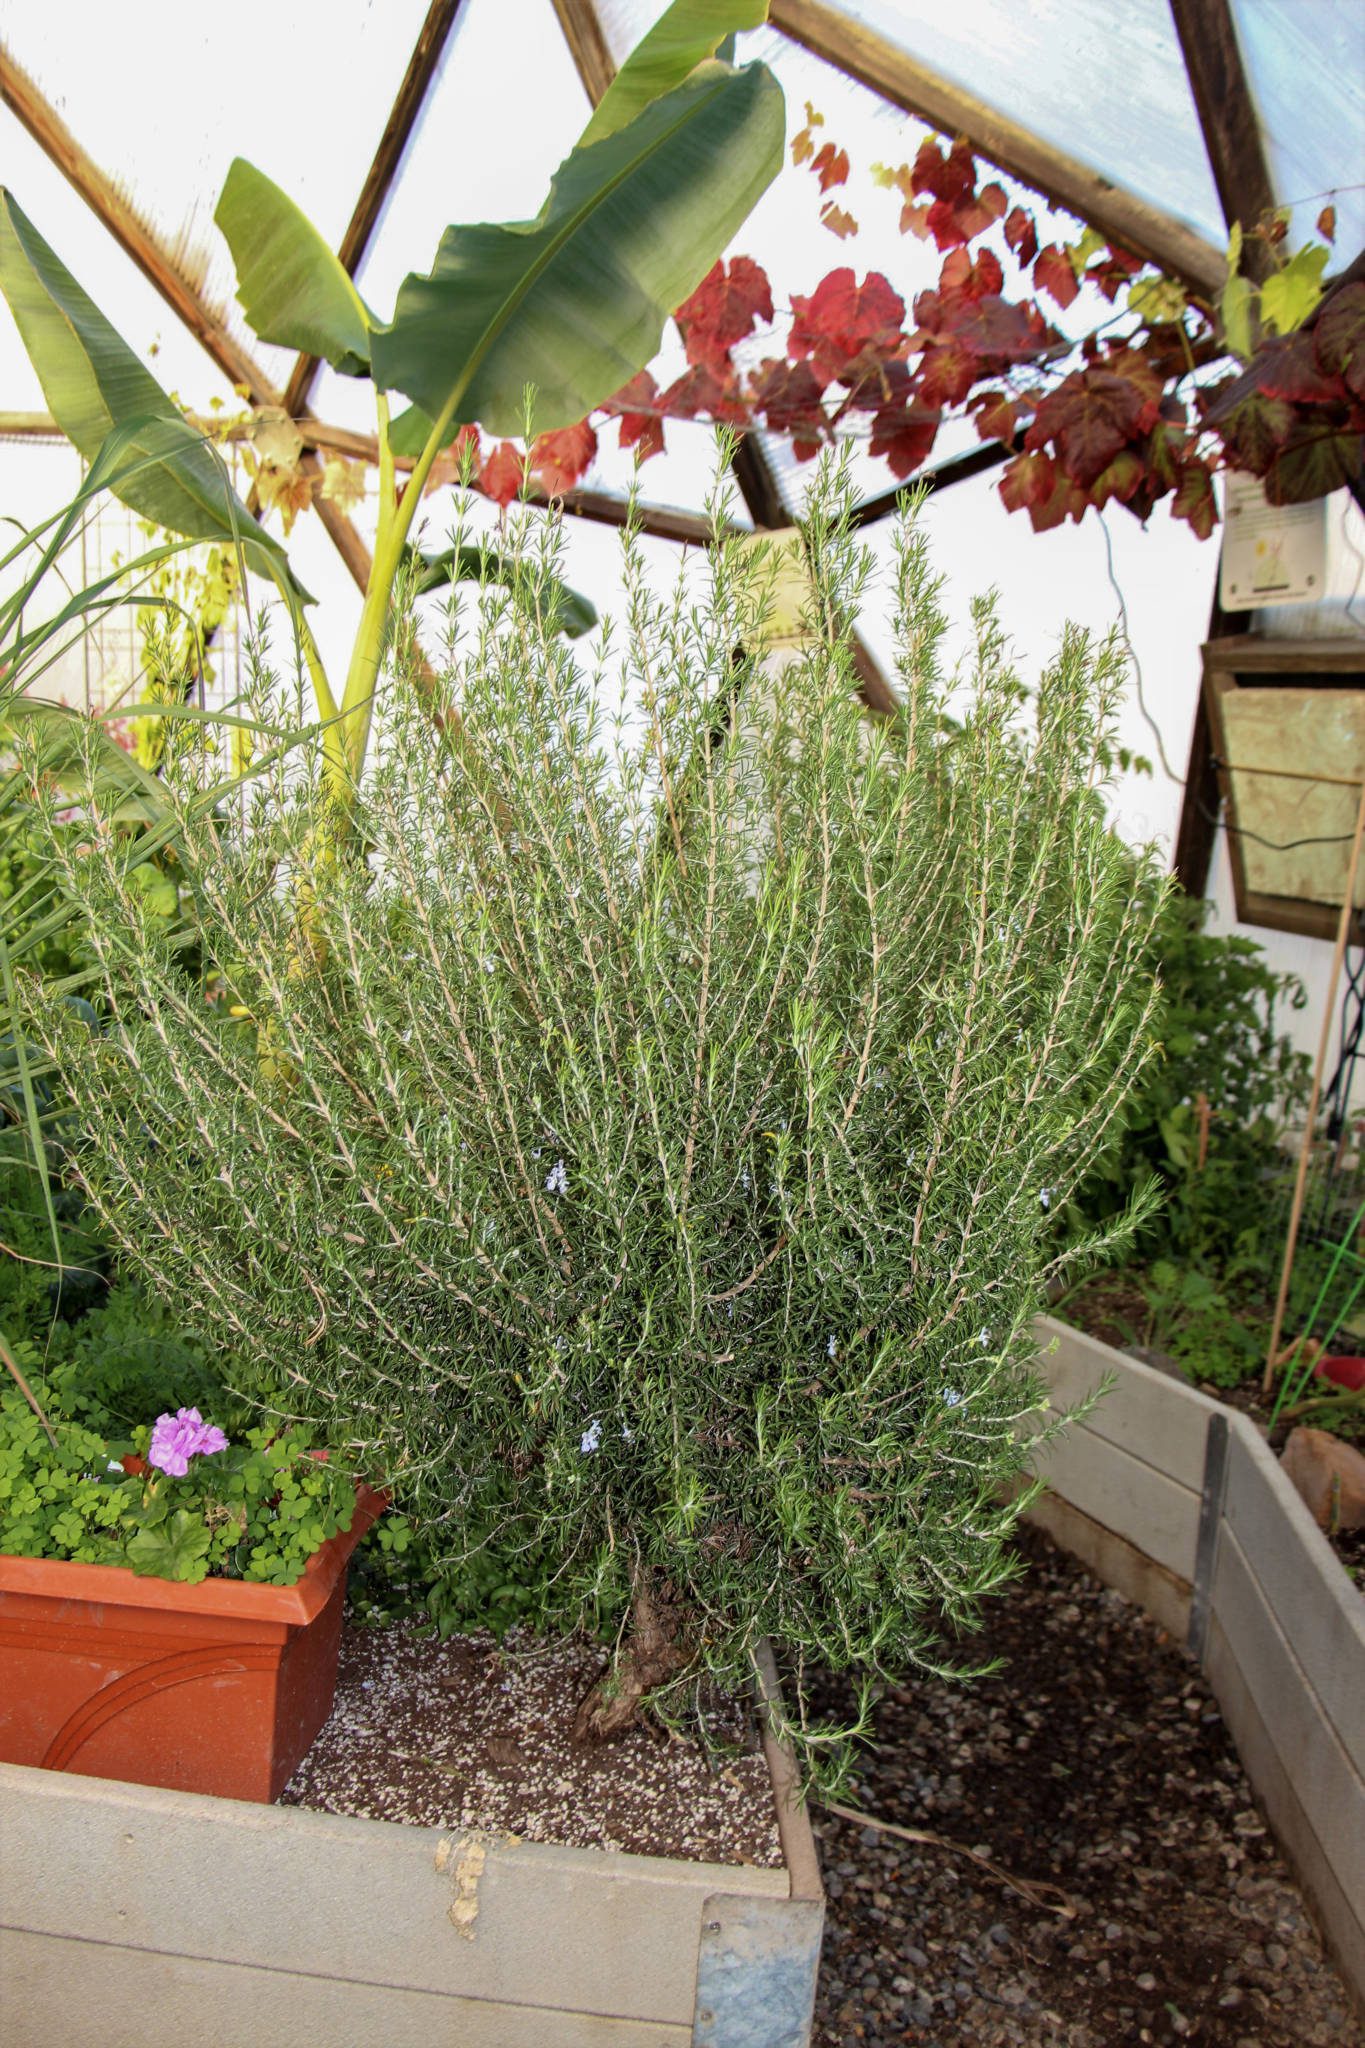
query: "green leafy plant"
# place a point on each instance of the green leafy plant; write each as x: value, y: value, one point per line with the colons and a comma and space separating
x: 661, y: 1161
x: 257, y: 1510
x: 571, y: 303
x: 1207, y: 1117
x: 1194, y: 1321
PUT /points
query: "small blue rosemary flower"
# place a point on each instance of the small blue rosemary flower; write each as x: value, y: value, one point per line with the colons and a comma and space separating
x: 557, y: 1179
x: 952, y: 1398
x: 590, y: 1439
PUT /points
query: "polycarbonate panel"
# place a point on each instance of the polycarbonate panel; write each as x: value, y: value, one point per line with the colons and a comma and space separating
x: 505, y: 110
x: 126, y: 298
x: 162, y: 96
x: 1306, y: 68
x: 1104, y: 83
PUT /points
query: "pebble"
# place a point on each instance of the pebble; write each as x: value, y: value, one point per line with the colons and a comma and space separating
x: 1127, y: 1794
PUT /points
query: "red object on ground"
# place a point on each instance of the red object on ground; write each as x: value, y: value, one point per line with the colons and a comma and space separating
x: 218, y: 1687
x: 1342, y: 1371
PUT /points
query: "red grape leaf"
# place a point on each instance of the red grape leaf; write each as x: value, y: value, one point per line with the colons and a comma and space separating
x: 560, y: 458
x: 1068, y: 501
x: 1021, y: 235
x: 837, y: 220
x: 946, y: 175
x: 842, y: 318
x: 1092, y: 414
x: 1027, y: 481
x: 500, y: 478
x: 962, y: 281
x: 1053, y: 274
x: 788, y: 396
x: 448, y: 468
x: 948, y: 371
x: 1113, y: 272
x: 953, y: 222
x: 636, y: 406
x: 726, y: 306
x: 998, y: 331
x: 1120, y: 480
x: 1339, y: 337
x: 905, y: 437
x: 995, y: 416
x: 1316, y: 459
x: 1194, y: 500
x: 1288, y: 367
x: 830, y: 166
x: 1255, y: 430
x: 702, y: 390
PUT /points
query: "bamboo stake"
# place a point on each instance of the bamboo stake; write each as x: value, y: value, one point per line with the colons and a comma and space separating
x: 1306, y: 1149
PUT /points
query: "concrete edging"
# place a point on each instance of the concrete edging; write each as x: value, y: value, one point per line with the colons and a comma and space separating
x: 1179, y: 1502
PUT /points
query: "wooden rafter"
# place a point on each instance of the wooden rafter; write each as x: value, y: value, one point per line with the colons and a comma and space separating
x: 976, y: 462
x: 588, y: 45
x: 1232, y: 139
x: 1133, y: 224
x: 403, y: 117
x: 600, y: 508
x: 758, y: 485
x: 139, y: 241
x: 1227, y: 116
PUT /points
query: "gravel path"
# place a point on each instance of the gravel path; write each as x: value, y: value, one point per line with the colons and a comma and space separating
x: 1096, y: 1760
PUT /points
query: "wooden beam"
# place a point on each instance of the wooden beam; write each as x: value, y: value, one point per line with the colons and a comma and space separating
x: 132, y: 233
x: 1227, y: 115
x: 588, y: 45
x: 661, y: 522
x: 403, y: 117
x: 1131, y: 223
x: 976, y: 462
x: 138, y: 240
x: 758, y: 485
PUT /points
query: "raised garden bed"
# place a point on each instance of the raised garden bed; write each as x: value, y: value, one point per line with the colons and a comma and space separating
x: 1180, y: 1504
x: 308, y: 1925
x: 142, y: 1918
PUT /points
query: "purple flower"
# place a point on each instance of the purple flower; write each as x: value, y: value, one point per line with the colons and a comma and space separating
x: 178, y: 1438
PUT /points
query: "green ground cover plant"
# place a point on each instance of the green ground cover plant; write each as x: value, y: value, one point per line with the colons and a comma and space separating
x: 90, y: 1472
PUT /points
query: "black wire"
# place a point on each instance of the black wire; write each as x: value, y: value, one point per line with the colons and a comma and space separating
x: 1337, y: 1094
x: 1210, y: 817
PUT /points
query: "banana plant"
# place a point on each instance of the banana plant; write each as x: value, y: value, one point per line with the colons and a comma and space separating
x: 568, y: 306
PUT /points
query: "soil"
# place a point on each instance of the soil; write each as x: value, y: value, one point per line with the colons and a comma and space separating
x: 1095, y: 1760
x: 464, y: 1734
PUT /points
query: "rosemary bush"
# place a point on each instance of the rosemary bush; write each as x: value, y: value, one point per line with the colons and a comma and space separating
x: 646, y: 1147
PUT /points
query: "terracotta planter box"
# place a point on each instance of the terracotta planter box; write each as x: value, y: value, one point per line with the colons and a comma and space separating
x: 216, y: 1688
x: 145, y: 1919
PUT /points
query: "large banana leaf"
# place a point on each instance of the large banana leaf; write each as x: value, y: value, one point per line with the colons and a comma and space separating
x: 684, y: 36
x: 292, y: 288
x: 575, y: 614
x: 94, y: 383
x: 574, y: 302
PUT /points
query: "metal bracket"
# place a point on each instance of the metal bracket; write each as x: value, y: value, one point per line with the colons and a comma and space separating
x: 756, y: 1972
x: 1206, y: 1545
